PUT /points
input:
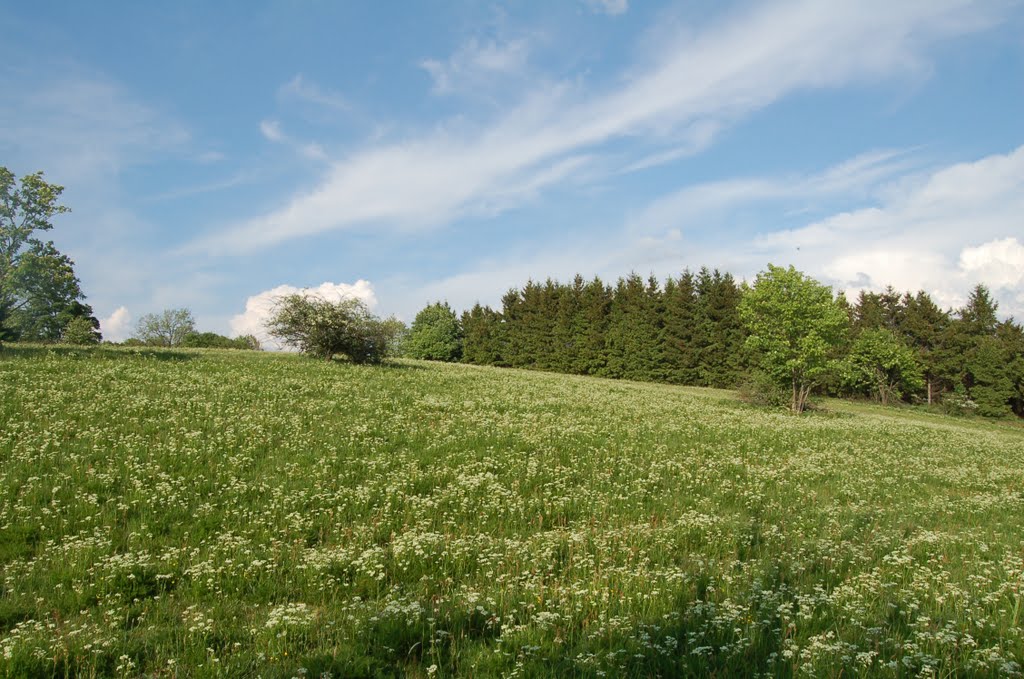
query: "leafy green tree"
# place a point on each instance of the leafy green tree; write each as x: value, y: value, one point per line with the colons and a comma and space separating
x: 795, y: 326
x: 881, y: 364
x: 396, y: 331
x: 169, y: 328
x: 37, y: 282
x: 50, y: 296
x: 80, y: 331
x: 435, y: 335
x: 323, y: 328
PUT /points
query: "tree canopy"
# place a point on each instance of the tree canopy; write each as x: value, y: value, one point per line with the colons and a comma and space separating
x: 795, y: 327
x: 39, y: 292
x: 169, y: 328
x: 435, y: 335
x: 323, y: 328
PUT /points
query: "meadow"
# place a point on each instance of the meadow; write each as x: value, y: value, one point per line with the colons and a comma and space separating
x: 233, y: 514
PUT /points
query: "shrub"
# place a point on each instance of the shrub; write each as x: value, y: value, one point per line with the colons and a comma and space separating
x: 318, y: 327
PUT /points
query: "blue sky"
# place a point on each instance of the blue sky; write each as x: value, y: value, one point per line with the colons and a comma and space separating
x: 217, y: 154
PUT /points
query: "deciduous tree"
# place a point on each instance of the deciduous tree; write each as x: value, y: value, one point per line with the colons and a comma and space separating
x: 795, y: 326
x: 167, y: 328
x: 37, y: 283
x: 435, y: 335
x: 322, y: 328
x: 881, y: 364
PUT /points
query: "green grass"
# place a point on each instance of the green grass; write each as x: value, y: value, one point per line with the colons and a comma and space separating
x: 204, y: 513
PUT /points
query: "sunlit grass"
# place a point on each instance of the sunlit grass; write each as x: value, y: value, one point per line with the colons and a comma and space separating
x: 202, y: 513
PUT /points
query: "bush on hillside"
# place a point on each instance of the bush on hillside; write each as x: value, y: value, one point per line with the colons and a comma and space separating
x: 322, y: 328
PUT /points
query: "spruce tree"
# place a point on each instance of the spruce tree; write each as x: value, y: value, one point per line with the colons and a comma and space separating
x: 481, y: 327
x: 923, y: 326
x: 680, y: 318
x: 591, y: 329
x: 720, y: 333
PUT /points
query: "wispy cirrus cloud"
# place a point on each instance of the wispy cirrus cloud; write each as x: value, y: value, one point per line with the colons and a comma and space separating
x: 303, y: 90
x: 478, y: 64
x: 609, y: 7
x: 942, y: 229
x: 82, y: 126
x: 716, y: 75
x: 272, y: 132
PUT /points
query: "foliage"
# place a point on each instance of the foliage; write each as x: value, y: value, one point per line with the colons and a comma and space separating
x: 481, y: 343
x: 760, y: 389
x: 795, y: 326
x: 211, y: 340
x: 39, y: 292
x: 435, y: 335
x: 881, y: 365
x: 987, y: 379
x: 319, y: 327
x: 395, y: 332
x: 234, y: 514
x: 81, y: 331
x: 169, y: 328
x: 689, y: 331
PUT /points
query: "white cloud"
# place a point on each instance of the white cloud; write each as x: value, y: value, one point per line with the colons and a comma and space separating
x: 300, y: 88
x: 260, y: 306
x: 998, y: 262
x: 738, y: 65
x: 942, y: 231
x: 271, y: 130
x: 690, y: 206
x: 610, y: 7
x: 117, y: 326
x: 477, y: 65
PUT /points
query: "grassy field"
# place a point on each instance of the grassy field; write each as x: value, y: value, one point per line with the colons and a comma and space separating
x: 204, y: 514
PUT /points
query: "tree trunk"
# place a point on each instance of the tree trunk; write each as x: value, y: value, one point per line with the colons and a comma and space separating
x: 929, y: 391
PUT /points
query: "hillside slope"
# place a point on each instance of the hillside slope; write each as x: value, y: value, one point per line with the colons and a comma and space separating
x: 204, y: 513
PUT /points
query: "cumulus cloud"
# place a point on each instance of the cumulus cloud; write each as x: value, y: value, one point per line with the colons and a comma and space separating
x: 260, y: 306
x: 999, y: 262
x: 117, y: 326
x: 713, y: 77
x: 939, y: 229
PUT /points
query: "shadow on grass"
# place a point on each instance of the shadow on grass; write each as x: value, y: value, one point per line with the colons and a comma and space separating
x: 10, y: 351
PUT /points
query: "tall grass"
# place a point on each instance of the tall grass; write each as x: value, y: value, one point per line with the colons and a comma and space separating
x: 206, y: 514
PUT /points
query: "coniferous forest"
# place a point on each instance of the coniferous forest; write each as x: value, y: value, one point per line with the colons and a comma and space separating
x: 687, y: 330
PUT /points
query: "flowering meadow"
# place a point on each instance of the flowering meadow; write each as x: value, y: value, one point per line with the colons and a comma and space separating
x: 207, y: 513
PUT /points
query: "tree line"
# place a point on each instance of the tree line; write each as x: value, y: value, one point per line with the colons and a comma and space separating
x: 778, y: 339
